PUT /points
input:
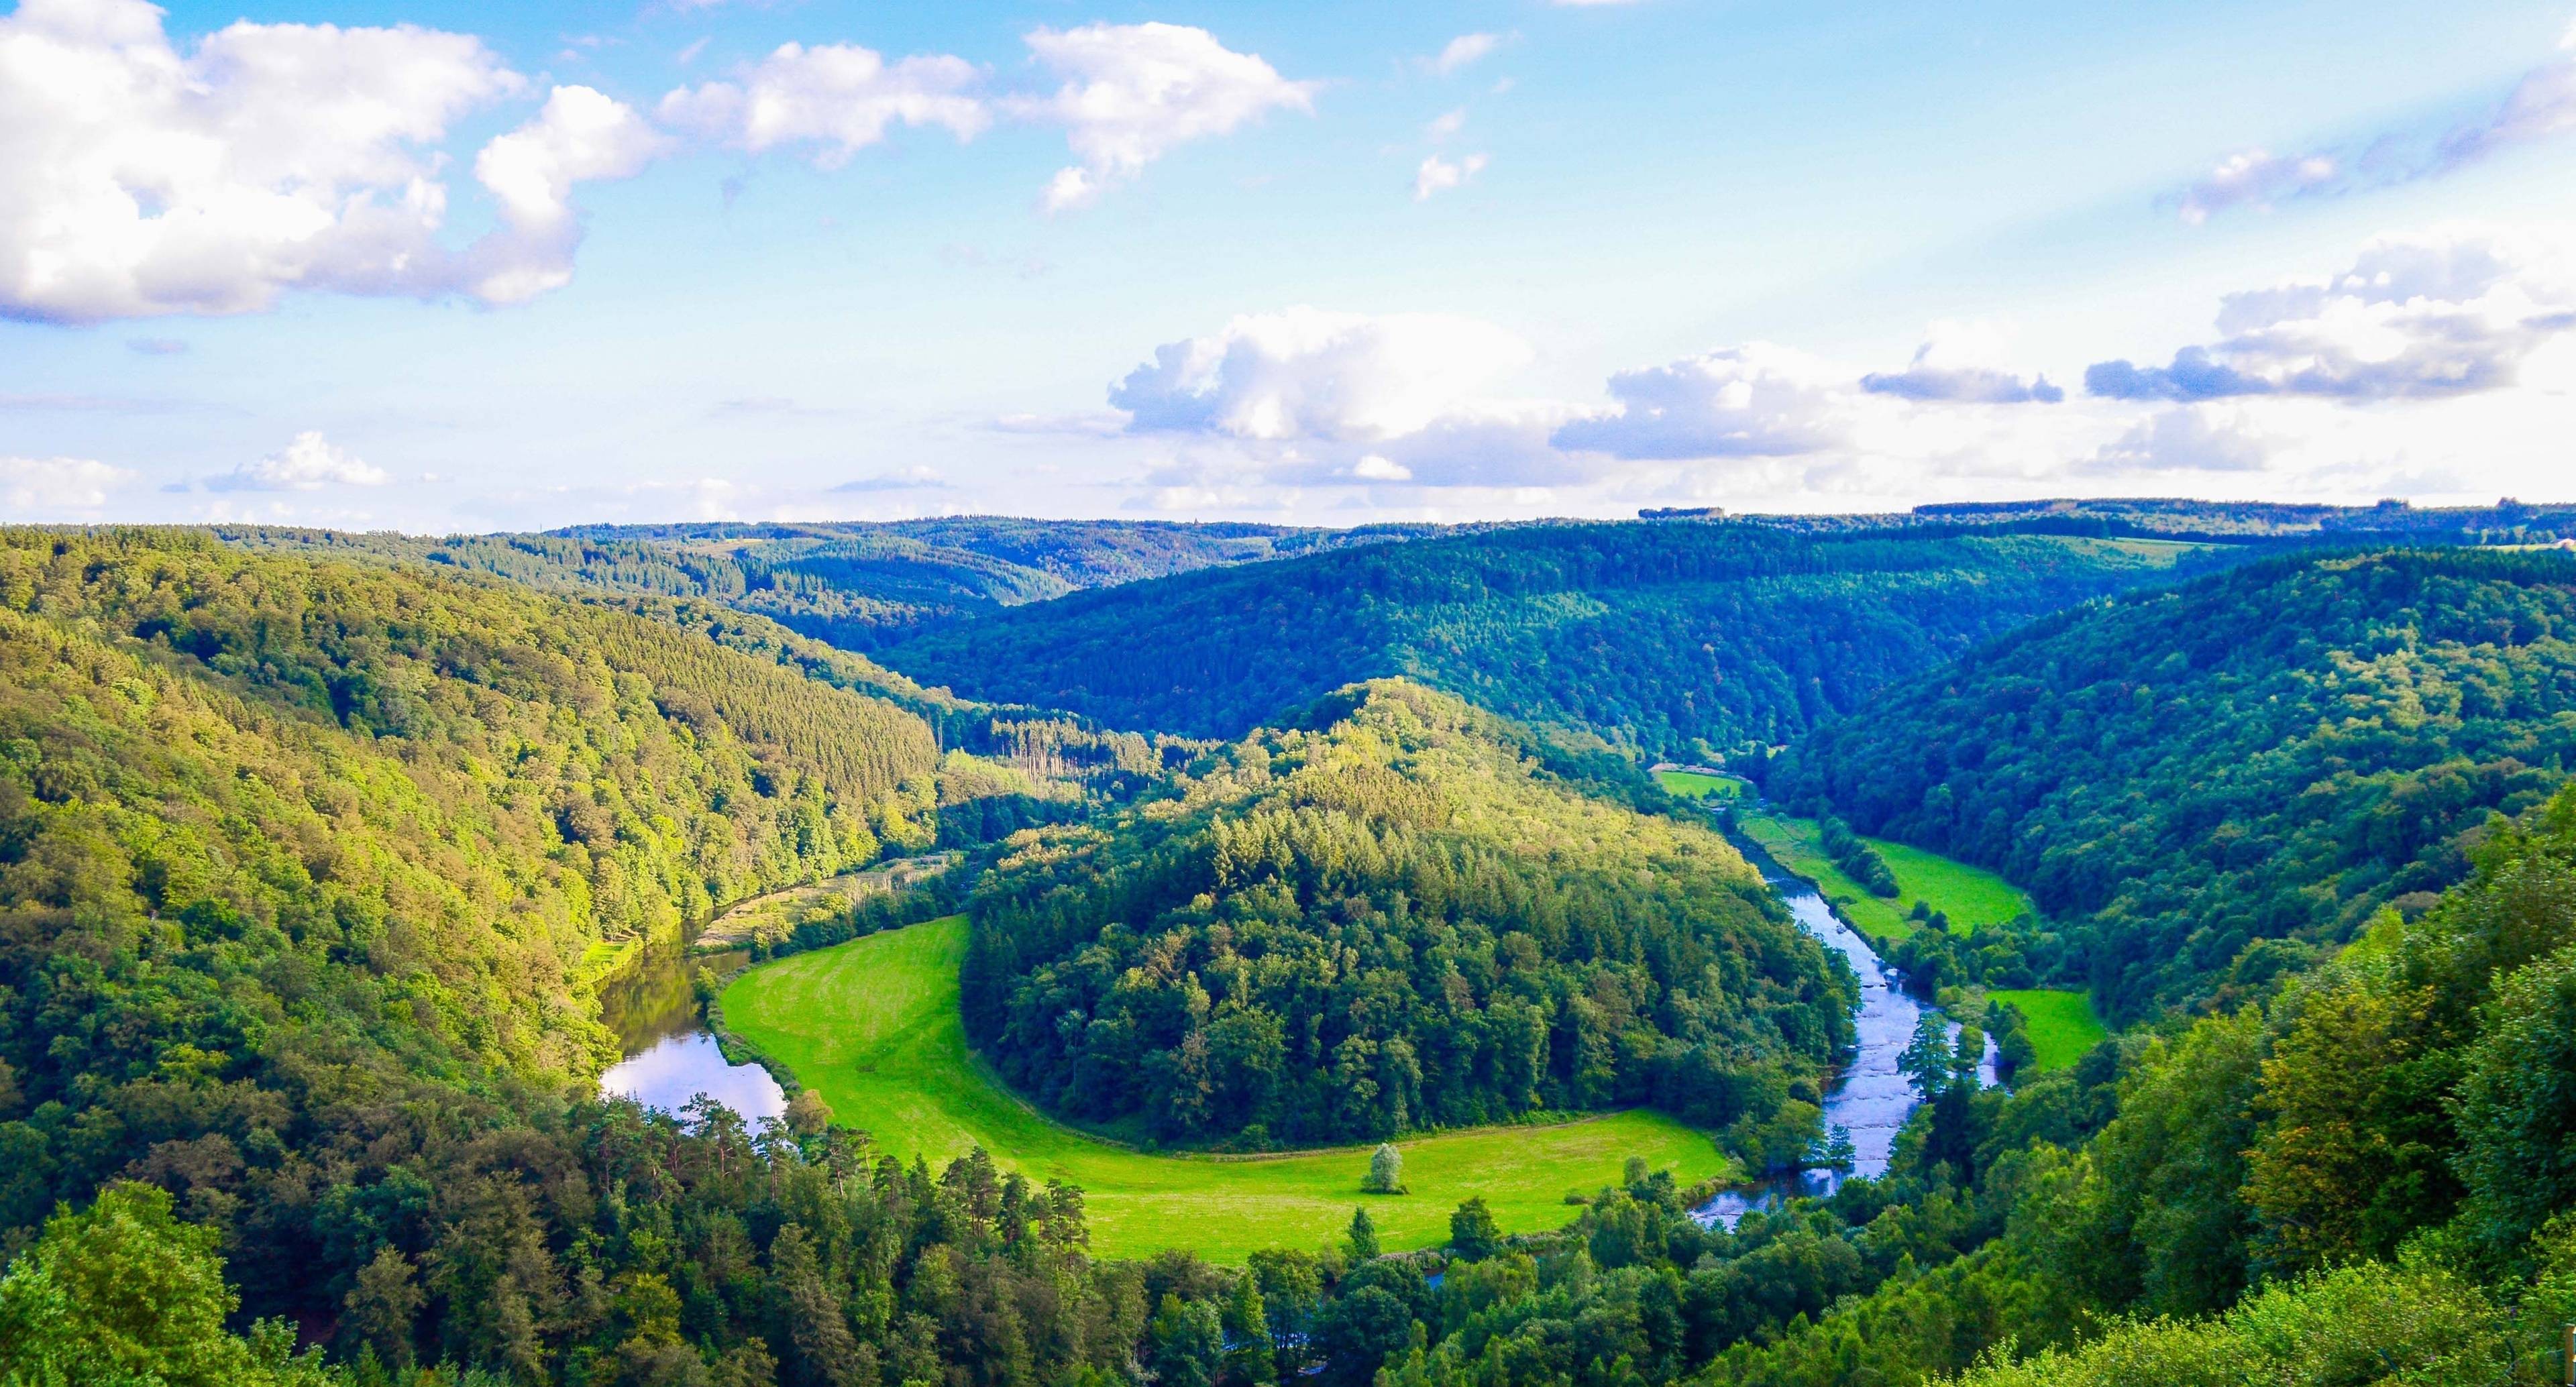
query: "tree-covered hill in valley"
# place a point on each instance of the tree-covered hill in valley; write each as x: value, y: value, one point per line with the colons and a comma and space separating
x: 1391, y: 916
x: 2212, y: 784
x: 1682, y: 638
x: 857, y: 584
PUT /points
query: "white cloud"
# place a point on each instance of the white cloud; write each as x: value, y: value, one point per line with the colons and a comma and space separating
x: 838, y: 96
x: 1134, y: 92
x: 137, y: 180
x: 1757, y: 400
x: 1377, y: 467
x: 1963, y: 362
x: 1439, y: 175
x: 2451, y: 311
x: 31, y: 486
x: 2255, y: 178
x: 580, y: 135
x: 1445, y: 124
x: 309, y: 463
x: 2187, y: 438
x: 1463, y: 51
x: 1311, y: 374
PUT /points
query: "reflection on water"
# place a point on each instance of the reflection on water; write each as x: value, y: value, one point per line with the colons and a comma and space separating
x: 671, y: 1056
x: 1870, y: 1099
x: 679, y: 1067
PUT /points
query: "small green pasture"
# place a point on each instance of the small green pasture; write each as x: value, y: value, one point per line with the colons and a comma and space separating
x: 2062, y: 1025
x: 1970, y: 896
x: 873, y: 1026
x: 1700, y: 784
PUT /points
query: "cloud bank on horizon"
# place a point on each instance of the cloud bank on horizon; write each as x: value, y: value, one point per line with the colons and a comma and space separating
x: 254, y: 174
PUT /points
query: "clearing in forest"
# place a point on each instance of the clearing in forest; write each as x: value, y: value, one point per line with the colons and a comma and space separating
x: 2062, y: 1025
x: 873, y: 1026
x: 1970, y: 896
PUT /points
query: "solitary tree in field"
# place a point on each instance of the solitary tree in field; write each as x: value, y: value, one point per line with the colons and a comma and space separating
x: 1386, y: 1170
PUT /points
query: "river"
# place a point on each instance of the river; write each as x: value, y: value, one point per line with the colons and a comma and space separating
x: 671, y: 1056
x: 1869, y: 1099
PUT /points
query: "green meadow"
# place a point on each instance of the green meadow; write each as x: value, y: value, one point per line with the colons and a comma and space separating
x: 873, y: 1026
x: 1970, y: 896
x: 1700, y: 784
x: 2062, y: 1025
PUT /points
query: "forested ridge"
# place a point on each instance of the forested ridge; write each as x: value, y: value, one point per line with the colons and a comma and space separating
x: 1390, y: 917
x: 2209, y: 786
x: 1682, y: 639
x: 856, y: 584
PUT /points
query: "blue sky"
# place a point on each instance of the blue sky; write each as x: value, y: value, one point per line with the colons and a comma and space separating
x: 447, y: 266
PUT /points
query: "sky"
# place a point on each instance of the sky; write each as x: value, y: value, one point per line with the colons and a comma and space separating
x: 462, y: 267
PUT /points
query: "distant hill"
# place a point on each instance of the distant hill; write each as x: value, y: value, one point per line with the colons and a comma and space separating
x: 2212, y: 784
x: 855, y: 584
x: 1688, y: 639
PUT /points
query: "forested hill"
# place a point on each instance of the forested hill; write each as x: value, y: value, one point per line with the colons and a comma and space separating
x: 1672, y: 639
x: 2223, y: 781
x: 1393, y: 918
x: 264, y: 820
x: 856, y: 584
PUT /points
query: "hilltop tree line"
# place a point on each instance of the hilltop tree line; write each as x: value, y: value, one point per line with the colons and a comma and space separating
x: 1389, y: 920
x: 1682, y: 640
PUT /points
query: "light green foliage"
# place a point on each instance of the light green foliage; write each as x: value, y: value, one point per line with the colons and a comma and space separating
x: 1700, y: 785
x: 123, y: 1295
x: 872, y: 1026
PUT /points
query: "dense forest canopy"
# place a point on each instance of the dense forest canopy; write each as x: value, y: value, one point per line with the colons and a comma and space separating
x: 1391, y: 918
x: 1683, y: 639
x: 856, y: 584
x: 2226, y: 780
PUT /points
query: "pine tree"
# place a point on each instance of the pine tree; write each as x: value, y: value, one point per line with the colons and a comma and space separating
x: 1362, y: 1242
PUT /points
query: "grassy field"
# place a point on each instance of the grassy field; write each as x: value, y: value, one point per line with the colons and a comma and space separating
x: 1970, y: 896
x: 1700, y: 784
x: 873, y: 1026
x: 2062, y: 1024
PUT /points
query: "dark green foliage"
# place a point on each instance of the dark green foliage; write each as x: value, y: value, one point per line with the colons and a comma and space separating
x: 2218, y: 784
x: 1860, y: 861
x: 1391, y: 923
x: 1674, y: 639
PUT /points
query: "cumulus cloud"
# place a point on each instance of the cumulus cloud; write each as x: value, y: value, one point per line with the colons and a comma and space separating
x: 1134, y: 92
x: 1437, y: 175
x: 1463, y: 51
x: 137, y: 180
x: 1959, y: 362
x: 2188, y: 438
x: 2541, y: 105
x: 2452, y: 311
x: 579, y: 136
x: 1308, y: 373
x: 30, y: 486
x: 310, y: 463
x: 1757, y: 400
x: 840, y: 97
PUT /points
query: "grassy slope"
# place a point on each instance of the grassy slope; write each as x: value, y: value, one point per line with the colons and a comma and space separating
x: 2063, y: 1025
x: 1970, y: 896
x: 873, y: 1026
